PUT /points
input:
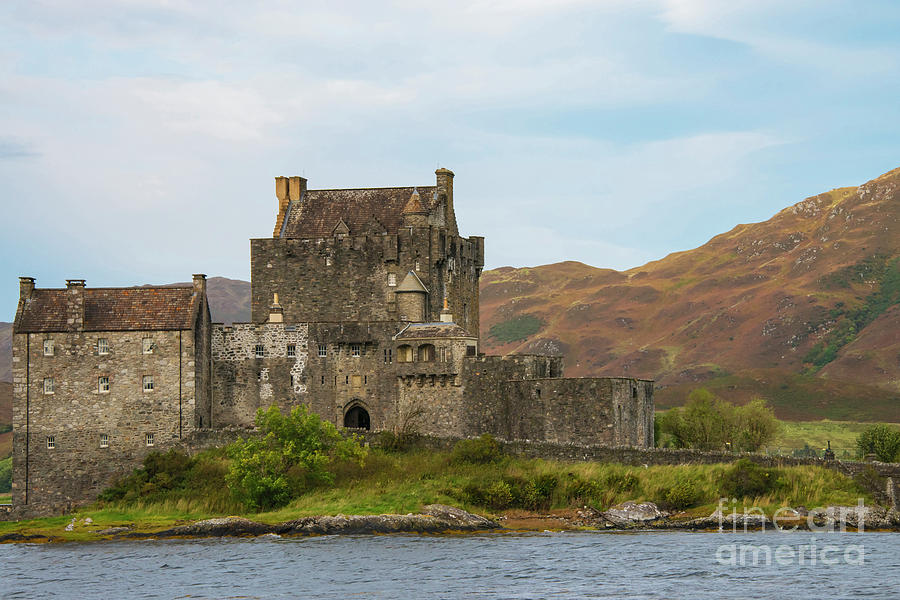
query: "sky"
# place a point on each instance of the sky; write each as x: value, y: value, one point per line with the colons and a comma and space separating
x: 139, y: 139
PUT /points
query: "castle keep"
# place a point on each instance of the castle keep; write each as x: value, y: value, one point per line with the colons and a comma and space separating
x: 364, y: 308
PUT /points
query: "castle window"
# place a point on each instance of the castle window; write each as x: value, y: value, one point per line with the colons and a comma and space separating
x: 323, y: 380
x: 327, y: 261
x: 365, y: 379
x: 323, y: 350
x: 418, y: 265
x: 48, y: 385
x: 147, y: 345
x: 51, y: 442
x: 346, y: 379
x: 104, y: 440
x: 354, y: 349
x: 103, y: 384
x: 392, y: 279
x: 443, y: 355
x: 537, y: 392
x: 147, y: 382
x: 149, y: 439
x: 48, y: 347
x: 291, y: 350
x: 388, y: 356
x: 102, y: 346
x: 634, y: 392
x: 404, y: 353
x: 260, y: 351
x: 426, y: 353
x: 471, y: 351
x: 292, y: 380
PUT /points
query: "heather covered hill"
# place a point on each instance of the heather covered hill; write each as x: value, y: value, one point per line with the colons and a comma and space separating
x: 801, y: 308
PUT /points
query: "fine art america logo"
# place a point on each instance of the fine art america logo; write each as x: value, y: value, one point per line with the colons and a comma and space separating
x: 813, y: 552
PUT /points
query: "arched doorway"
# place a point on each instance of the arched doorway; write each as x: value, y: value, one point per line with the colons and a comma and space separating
x: 357, y: 418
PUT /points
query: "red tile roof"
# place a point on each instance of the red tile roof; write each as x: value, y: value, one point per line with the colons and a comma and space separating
x: 319, y: 211
x: 111, y: 309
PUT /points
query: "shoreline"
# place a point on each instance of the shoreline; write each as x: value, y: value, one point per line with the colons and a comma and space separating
x: 438, y: 519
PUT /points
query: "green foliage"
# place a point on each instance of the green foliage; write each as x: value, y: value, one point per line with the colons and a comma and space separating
x: 515, y: 329
x: 478, y: 451
x: 5, y: 428
x: 5, y: 475
x: 292, y: 455
x: 746, y: 479
x: 805, y: 452
x: 683, y: 494
x: 707, y: 422
x: 162, y: 475
x: 530, y: 493
x: 849, y: 321
x: 869, y: 480
x: 881, y: 440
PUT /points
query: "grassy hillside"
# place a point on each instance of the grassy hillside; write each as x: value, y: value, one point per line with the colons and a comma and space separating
x: 803, y: 309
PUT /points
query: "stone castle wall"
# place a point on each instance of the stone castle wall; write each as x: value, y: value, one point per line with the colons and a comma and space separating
x: 77, y: 413
x: 345, y: 278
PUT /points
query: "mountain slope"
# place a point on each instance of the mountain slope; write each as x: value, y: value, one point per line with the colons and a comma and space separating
x: 810, y: 291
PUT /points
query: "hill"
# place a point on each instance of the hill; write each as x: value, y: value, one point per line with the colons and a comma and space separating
x: 801, y: 309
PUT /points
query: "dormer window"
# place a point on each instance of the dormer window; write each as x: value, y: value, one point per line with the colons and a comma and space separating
x: 48, y: 348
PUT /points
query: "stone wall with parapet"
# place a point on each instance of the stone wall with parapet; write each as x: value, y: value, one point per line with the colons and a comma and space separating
x: 243, y: 382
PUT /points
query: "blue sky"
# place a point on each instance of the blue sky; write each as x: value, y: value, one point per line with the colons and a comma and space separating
x: 139, y: 139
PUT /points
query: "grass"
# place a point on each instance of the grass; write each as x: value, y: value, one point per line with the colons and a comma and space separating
x: 515, y: 329
x: 817, y: 434
x: 5, y: 498
x: 404, y: 482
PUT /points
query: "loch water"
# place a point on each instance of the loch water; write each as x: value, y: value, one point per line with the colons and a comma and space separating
x: 693, y: 566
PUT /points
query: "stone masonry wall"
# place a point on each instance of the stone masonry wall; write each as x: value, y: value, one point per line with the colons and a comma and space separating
x: 77, y: 413
x: 243, y: 382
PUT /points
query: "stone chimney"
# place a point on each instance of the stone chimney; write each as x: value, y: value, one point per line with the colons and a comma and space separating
x: 276, y: 312
x: 287, y: 190
x: 74, y: 304
x: 200, y: 284
x: 26, y: 287
x: 445, y: 191
x: 446, y: 315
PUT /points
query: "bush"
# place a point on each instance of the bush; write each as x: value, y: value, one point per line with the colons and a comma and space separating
x: 6, y: 475
x: 881, y: 440
x: 746, y: 479
x: 622, y: 482
x: 292, y: 454
x: 708, y: 423
x: 160, y: 474
x: 682, y: 495
x: 5, y: 428
x: 478, y: 451
x: 531, y: 493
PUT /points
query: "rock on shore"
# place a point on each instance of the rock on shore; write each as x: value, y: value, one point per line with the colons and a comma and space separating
x: 435, y: 518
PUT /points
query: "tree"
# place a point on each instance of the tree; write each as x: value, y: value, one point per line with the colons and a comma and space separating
x: 292, y: 454
x: 756, y: 425
x: 881, y: 440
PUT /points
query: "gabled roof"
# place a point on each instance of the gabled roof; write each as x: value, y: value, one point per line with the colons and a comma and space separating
x: 317, y: 213
x: 411, y: 283
x: 431, y: 331
x: 111, y: 309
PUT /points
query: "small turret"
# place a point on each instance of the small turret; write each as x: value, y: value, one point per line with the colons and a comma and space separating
x: 411, y: 296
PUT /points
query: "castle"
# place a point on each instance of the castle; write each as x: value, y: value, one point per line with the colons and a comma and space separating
x: 364, y: 308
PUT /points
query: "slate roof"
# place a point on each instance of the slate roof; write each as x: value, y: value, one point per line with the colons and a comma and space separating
x: 111, y: 309
x: 411, y: 283
x: 430, y: 331
x: 319, y: 211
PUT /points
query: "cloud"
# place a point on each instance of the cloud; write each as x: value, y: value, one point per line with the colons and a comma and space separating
x: 11, y: 149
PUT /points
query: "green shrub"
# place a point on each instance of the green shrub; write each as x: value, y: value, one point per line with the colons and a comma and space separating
x: 161, y: 473
x: 870, y: 480
x: 622, y: 482
x: 5, y: 428
x: 292, y: 454
x: 881, y: 440
x: 6, y: 475
x: 582, y: 491
x: 746, y: 479
x: 709, y: 423
x: 681, y: 495
x: 515, y: 329
x: 531, y: 493
x: 478, y: 451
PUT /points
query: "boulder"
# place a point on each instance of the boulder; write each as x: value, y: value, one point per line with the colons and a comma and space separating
x: 633, y: 513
